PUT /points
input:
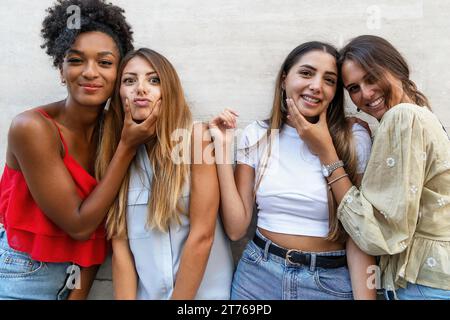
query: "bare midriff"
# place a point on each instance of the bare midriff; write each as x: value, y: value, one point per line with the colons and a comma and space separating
x: 303, y: 243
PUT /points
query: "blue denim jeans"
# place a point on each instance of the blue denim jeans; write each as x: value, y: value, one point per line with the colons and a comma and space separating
x: 261, y: 275
x: 26, y: 279
x: 418, y: 292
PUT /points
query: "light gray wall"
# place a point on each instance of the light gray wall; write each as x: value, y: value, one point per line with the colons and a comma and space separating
x: 227, y: 53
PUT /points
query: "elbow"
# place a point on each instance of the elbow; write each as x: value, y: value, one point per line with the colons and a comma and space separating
x: 203, y: 241
x: 235, y: 235
x: 234, y: 232
x: 79, y: 230
x: 80, y: 236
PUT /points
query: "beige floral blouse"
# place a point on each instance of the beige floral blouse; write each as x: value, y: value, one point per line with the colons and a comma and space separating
x: 402, y: 210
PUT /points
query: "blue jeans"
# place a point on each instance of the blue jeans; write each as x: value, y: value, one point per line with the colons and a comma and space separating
x: 261, y: 275
x: 26, y: 279
x: 418, y: 292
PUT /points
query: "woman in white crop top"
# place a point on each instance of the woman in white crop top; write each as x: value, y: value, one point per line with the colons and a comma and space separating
x: 300, y: 251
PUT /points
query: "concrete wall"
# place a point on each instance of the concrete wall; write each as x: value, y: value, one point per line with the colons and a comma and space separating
x: 227, y: 53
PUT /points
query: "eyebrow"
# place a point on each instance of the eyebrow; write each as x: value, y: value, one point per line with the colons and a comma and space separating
x: 352, y: 84
x: 311, y: 67
x: 102, y: 53
x: 135, y: 74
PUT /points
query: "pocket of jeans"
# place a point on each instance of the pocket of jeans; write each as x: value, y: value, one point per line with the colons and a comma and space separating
x: 17, y: 264
x: 251, y: 254
x: 334, y: 281
x: 429, y: 293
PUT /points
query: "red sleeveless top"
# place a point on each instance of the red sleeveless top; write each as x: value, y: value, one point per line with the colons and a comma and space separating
x: 29, y: 230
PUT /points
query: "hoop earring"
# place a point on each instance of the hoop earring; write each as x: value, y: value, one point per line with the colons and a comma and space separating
x: 107, y: 104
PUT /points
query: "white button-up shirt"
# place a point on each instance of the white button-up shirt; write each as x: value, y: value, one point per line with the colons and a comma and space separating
x: 157, y: 254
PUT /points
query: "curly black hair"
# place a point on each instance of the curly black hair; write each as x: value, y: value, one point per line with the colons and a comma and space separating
x: 96, y: 15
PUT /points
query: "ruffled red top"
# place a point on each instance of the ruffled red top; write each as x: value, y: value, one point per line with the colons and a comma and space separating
x: 29, y: 230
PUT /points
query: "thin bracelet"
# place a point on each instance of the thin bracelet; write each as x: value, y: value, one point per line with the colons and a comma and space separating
x: 333, y: 181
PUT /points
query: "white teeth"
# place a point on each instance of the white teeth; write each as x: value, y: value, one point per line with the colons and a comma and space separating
x: 376, y: 102
x: 309, y: 99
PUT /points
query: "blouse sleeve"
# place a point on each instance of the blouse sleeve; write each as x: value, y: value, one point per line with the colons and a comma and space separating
x: 381, y: 217
x: 363, y: 144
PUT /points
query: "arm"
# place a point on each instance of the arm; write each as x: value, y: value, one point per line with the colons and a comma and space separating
x: 236, y: 190
x: 87, y: 277
x: 123, y: 270
x: 32, y: 141
x: 203, y: 207
x: 359, y: 264
x: 236, y: 198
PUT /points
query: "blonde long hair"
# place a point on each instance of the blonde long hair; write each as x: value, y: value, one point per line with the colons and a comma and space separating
x: 168, y: 177
x: 341, y: 131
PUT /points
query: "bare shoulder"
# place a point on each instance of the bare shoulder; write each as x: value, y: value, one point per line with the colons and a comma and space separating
x: 30, y: 127
x: 29, y: 124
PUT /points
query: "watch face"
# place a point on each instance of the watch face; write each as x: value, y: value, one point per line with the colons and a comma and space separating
x: 325, y: 171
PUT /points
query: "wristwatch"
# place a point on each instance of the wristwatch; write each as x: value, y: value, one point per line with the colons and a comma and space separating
x: 327, y: 169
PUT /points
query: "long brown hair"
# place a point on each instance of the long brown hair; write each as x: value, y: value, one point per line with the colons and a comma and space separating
x: 168, y: 177
x: 376, y: 56
x: 340, y: 131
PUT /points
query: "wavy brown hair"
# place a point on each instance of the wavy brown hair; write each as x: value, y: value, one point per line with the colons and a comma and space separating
x: 340, y: 130
x: 168, y: 176
x: 376, y: 56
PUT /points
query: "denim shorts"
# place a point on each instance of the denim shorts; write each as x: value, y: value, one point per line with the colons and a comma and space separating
x: 26, y: 279
x: 261, y: 275
x: 417, y: 292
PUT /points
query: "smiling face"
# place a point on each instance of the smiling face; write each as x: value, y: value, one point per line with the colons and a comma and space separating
x: 140, y: 84
x: 366, y: 92
x: 311, y: 82
x: 90, y: 67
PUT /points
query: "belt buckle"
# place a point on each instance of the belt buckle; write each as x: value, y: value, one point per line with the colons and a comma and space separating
x: 288, y: 257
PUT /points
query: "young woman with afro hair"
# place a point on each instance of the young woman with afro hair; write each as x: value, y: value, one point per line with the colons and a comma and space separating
x: 51, y: 206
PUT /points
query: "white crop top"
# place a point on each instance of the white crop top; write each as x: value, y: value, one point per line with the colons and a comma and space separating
x: 292, y: 196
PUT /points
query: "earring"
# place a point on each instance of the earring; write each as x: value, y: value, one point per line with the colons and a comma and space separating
x: 358, y: 109
x: 107, y: 104
x: 63, y: 82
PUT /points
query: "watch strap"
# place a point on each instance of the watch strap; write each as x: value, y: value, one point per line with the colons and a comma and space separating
x: 334, y: 166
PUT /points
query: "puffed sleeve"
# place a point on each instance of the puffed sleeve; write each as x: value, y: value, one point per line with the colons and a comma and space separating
x: 381, y: 217
x: 363, y: 144
x: 248, y: 148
